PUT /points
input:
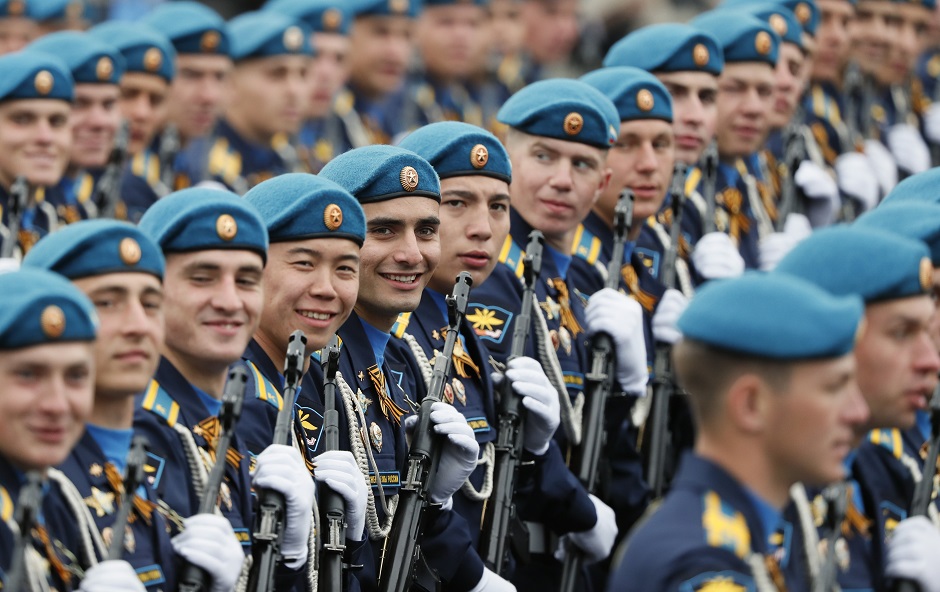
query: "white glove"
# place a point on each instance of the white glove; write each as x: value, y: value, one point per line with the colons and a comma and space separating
x: 338, y: 470
x: 716, y: 258
x: 460, y: 453
x: 282, y: 469
x: 670, y: 308
x: 819, y: 186
x: 857, y: 178
x: 539, y: 398
x: 775, y: 247
x: 932, y: 123
x: 115, y: 575
x: 8, y: 264
x: 914, y: 553
x: 909, y: 149
x: 883, y: 165
x: 596, y: 543
x: 621, y: 317
x: 209, y: 542
x: 492, y: 582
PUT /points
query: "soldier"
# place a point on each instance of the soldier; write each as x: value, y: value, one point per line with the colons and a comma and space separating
x: 215, y: 246
x: 59, y: 15
x: 773, y: 391
x: 18, y: 26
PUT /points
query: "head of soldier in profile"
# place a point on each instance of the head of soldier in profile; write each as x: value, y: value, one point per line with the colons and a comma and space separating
x: 688, y: 62
x: 909, y: 39
x: 400, y: 195
x: 870, y: 35
x: 833, y: 41
x: 550, y: 29
x: 311, y: 280
x: 767, y: 362
x: 381, y: 43
x: 451, y: 37
x: 475, y: 176
x: 560, y: 132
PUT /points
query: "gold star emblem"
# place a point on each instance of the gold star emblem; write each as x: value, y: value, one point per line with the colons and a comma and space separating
x: 435, y: 334
x: 778, y: 24
x: 43, y: 82
x: 210, y: 41
x: 129, y: 251
x: 226, y: 227
x: 153, y: 59
x: 332, y: 19
x: 95, y: 470
x: 52, y: 321
x: 700, y: 55
x: 293, y: 38
x: 573, y: 123
x: 644, y: 100
x: 479, y: 156
x: 101, y: 502
x: 802, y: 13
x: 484, y: 319
x: 361, y: 375
x: 926, y: 274
x: 409, y: 178
x: 16, y: 7
x: 104, y: 68
x: 398, y: 6
x: 763, y: 43
x: 333, y: 216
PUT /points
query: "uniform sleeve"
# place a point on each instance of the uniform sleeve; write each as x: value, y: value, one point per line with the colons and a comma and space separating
x: 547, y: 492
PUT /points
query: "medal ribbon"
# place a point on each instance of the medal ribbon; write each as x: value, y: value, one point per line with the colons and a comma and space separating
x: 461, y: 359
x: 390, y: 409
x: 568, y: 321
x: 143, y: 508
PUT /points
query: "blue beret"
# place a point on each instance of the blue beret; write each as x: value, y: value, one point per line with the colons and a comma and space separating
x: 806, y: 12
x: 39, y: 307
x: 458, y: 149
x: 565, y: 110
x: 779, y: 17
x: 321, y: 16
x: 51, y: 10
x: 771, y: 315
x: 268, y: 34
x: 90, y: 60
x: 96, y: 247
x: 743, y: 38
x: 668, y: 47
x: 875, y: 264
x: 379, y: 173
x: 191, y: 27
x: 920, y: 187
x: 298, y: 206
x: 201, y: 219
x: 144, y: 49
x: 409, y: 8
x: 917, y: 220
x: 636, y: 93
x: 34, y: 75
x: 427, y: 3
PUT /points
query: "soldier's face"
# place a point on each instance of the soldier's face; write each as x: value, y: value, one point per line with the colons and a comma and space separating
x: 401, y: 251
x: 789, y: 85
x: 130, y: 333
x: 448, y: 37
x: 95, y: 121
x: 16, y: 33
x: 143, y: 105
x: 897, y: 360
x: 269, y: 96
x: 832, y: 39
x: 46, y: 394
x: 907, y: 44
x: 555, y: 183
x: 871, y: 30
x: 694, y: 112
x: 212, y: 306
x: 641, y: 160
x: 745, y: 91
x: 309, y: 285
x: 380, y: 47
x: 328, y: 72
x: 35, y: 140
x: 198, y: 92
x: 813, y: 425
x: 474, y: 225
x: 551, y: 29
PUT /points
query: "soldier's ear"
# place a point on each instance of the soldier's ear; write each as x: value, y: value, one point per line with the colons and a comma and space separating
x: 747, y: 404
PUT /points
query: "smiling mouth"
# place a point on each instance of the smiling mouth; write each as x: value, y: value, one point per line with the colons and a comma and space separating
x: 317, y: 316
x: 401, y: 278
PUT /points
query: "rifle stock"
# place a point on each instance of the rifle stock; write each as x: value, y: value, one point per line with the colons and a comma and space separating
x: 19, y: 202
x: 332, y: 505
x: 28, y: 504
x: 710, y: 180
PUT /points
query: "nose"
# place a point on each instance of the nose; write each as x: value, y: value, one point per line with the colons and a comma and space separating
x: 856, y: 411
x: 225, y: 297
x: 321, y: 284
x: 561, y: 179
x: 407, y: 252
x: 479, y: 227
x: 926, y: 358
x: 693, y: 112
x: 137, y: 322
x: 647, y: 160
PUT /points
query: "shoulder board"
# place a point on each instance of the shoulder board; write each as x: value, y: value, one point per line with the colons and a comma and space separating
x: 279, y: 141
x: 424, y: 95
x: 85, y: 188
x: 889, y: 439
x: 692, y: 179
x: 343, y: 103
x: 223, y: 162
x: 512, y: 255
x: 139, y: 164
x: 264, y: 389
x: 724, y: 526
x: 819, y: 102
x: 6, y: 505
x: 585, y: 245
x: 398, y: 329
x: 160, y: 403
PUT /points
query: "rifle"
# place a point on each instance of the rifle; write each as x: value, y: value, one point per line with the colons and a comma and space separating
x: 169, y: 148
x: 108, y: 190
x: 401, y: 549
x: 27, y: 510
x: 710, y: 179
x: 332, y: 505
x: 136, y: 459
x: 662, y: 364
x: 794, y: 152
x: 272, y: 507
x: 599, y: 385
x: 923, y: 492
x: 836, y: 505
x: 192, y: 577
x: 19, y: 203
x: 500, y: 512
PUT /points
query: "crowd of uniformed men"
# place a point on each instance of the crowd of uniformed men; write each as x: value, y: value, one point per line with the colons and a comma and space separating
x: 182, y: 193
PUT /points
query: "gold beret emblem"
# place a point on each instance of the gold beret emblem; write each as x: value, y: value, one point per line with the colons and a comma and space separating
x: 398, y: 6
x: 700, y: 55
x: 333, y: 216
x: 331, y: 19
x: 644, y: 100
x: 409, y: 178
x: 209, y: 41
x: 129, y: 250
x: 926, y: 274
x: 43, y: 82
x: 104, y: 68
x: 16, y: 7
x: 778, y: 24
x: 153, y: 59
x: 573, y: 123
x: 802, y: 13
x: 52, y: 321
x: 226, y: 227
x: 762, y: 43
x: 293, y: 38
x: 74, y: 10
x: 479, y: 156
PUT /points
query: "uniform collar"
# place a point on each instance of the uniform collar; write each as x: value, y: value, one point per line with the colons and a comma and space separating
x: 114, y: 444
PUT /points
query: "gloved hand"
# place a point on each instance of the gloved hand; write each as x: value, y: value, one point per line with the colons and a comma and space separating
x: 460, y: 453
x: 857, y: 178
x: 621, y: 317
x: 932, y: 123
x: 908, y: 148
x: 596, y: 543
x: 209, y: 542
x: 883, y: 165
x: 539, y: 398
x: 115, y: 575
x: 775, y: 247
x: 492, y: 582
x: 914, y: 553
x: 8, y: 264
x: 716, y: 258
x: 338, y: 470
x: 282, y: 469
x: 670, y: 308
x: 818, y: 185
